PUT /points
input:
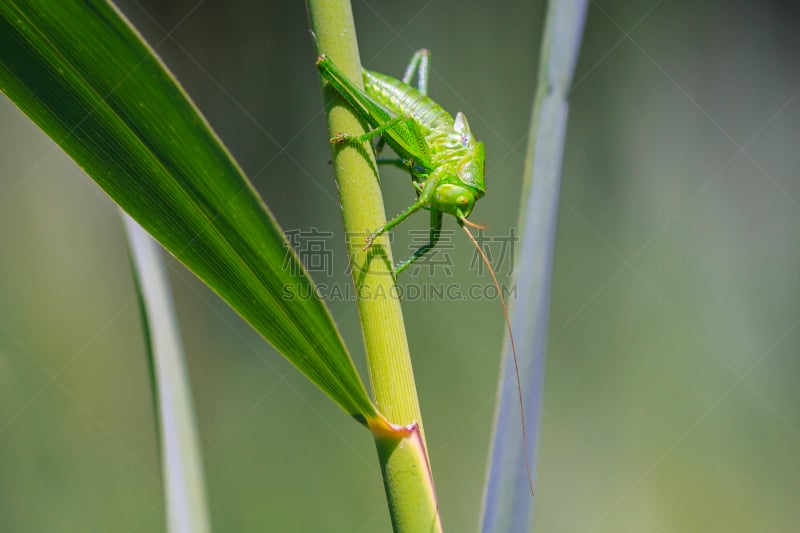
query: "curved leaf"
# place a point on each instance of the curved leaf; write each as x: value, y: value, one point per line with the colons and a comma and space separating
x: 80, y: 72
x: 181, y: 462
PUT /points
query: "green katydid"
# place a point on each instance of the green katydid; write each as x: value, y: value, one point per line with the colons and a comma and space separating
x: 445, y: 161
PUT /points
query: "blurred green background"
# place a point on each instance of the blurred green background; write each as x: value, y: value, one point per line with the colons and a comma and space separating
x: 670, y: 398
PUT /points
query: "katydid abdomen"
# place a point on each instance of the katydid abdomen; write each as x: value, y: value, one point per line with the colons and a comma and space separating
x: 407, y: 101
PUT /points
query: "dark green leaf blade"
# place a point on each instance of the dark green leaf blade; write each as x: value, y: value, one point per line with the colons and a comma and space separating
x: 81, y: 73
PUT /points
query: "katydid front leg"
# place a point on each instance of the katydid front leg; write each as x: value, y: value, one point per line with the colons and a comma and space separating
x: 426, y: 193
x: 435, y: 231
x: 402, y: 164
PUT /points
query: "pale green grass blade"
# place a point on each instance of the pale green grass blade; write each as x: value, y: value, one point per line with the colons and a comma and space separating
x: 80, y: 72
x: 181, y: 462
x: 508, y: 506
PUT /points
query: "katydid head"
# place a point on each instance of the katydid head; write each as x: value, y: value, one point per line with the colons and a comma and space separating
x: 457, y: 194
x: 463, y: 186
x: 456, y: 200
x: 471, y: 167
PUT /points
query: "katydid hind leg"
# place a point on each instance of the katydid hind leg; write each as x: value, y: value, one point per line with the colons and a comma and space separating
x: 422, y: 153
x: 419, y: 64
x: 410, y: 144
x: 423, y: 200
x: 377, y: 115
x: 435, y: 232
x: 402, y: 133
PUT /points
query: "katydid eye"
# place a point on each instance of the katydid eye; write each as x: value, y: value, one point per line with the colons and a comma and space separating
x: 462, y: 200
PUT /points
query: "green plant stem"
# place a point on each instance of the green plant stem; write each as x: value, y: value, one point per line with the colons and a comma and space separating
x: 404, y: 460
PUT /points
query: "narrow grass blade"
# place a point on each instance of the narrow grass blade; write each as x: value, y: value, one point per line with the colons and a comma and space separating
x: 80, y: 72
x: 508, y: 506
x: 181, y: 464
